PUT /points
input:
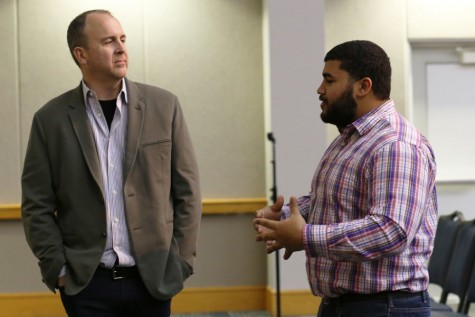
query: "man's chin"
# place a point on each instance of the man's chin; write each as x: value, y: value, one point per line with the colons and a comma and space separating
x: 324, y: 117
x: 120, y: 75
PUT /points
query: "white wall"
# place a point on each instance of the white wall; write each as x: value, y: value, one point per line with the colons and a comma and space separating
x: 440, y: 20
x: 435, y: 23
x: 294, y: 66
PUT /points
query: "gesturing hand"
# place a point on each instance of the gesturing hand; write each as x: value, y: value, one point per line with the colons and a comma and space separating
x: 270, y: 212
x: 286, y: 234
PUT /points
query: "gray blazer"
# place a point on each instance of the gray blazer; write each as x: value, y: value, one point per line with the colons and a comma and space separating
x: 63, y: 207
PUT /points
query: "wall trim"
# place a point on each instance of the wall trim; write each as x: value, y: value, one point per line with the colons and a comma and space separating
x: 10, y: 212
x: 190, y: 300
x: 210, y: 207
x: 292, y: 302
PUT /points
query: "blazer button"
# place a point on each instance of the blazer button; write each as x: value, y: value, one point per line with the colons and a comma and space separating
x: 104, y: 234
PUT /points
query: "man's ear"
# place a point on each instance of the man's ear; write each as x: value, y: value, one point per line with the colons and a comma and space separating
x: 80, y: 54
x: 364, y: 86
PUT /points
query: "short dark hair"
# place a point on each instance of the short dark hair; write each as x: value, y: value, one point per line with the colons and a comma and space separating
x: 364, y: 59
x: 75, y: 35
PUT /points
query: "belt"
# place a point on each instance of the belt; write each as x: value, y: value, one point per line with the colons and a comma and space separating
x: 353, y: 297
x: 119, y: 272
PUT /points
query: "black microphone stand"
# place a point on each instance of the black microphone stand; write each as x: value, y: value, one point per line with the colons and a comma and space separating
x: 271, y: 138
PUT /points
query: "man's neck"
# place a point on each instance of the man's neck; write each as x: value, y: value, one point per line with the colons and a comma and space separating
x: 105, y: 91
x: 368, y: 105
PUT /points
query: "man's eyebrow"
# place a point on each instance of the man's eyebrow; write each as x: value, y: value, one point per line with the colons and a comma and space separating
x: 327, y: 75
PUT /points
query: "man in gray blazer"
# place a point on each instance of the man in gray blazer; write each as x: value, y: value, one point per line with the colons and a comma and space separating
x: 111, y: 200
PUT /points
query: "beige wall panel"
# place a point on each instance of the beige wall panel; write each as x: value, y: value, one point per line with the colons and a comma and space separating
x: 228, y: 254
x: 9, y: 119
x: 20, y: 270
x: 209, y: 53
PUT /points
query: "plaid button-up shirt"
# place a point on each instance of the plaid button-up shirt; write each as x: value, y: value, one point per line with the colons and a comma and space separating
x: 372, y: 210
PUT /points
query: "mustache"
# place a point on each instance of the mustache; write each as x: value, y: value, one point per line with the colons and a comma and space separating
x: 322, y: 98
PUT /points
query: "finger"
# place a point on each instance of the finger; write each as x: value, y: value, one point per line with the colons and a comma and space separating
x: 270, y: 224
x: 294, y: 206
x: 270, y: 243
x: 271, y: 247
x: 266, y: 236
x: 279, y: 202
x: 287, y: 254
x: 261, y: 229
x: 261, y: 213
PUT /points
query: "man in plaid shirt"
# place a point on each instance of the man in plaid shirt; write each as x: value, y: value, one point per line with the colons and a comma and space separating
x: 368, y: 224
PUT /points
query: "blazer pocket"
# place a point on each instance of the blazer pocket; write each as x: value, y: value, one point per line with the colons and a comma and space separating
x: 155, y: 160
x: 157, y: 142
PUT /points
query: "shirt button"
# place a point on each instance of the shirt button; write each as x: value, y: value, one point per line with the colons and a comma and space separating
x: 116, y: 219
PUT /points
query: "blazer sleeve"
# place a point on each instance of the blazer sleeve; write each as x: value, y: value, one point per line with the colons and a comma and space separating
x: 38, y: 207
x: 185, y: 188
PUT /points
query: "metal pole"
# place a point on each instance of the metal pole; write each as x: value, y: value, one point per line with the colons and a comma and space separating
x: 271, y: 138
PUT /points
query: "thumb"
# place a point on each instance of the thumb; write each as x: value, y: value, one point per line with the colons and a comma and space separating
x: 279, y: 202
x: 287, y: 254
x: 294, y: 206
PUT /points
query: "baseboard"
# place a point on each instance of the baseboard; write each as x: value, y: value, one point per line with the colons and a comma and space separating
x: 190, y: 300
x: 31, y: 305
x: 219, y: 299
x: 292, y: 302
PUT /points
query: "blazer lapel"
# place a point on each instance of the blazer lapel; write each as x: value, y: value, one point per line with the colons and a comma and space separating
x: 135, y: 108
x: 81, y: 126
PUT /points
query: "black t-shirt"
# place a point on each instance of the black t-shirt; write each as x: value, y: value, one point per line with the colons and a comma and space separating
x: 108, y: 108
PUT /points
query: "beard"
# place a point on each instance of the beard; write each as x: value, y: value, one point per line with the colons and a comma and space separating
x: 342, y: 111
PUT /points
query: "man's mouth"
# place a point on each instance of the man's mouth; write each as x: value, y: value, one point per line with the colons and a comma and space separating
x: 323, y: 100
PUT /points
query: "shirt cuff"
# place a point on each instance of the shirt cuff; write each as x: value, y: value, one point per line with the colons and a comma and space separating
x: 315, y: 240
x: 285, y: 212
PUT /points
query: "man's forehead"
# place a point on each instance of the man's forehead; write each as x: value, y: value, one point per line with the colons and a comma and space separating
x: 101, y: 19
x: 332, y: 68
x: 101, y: 24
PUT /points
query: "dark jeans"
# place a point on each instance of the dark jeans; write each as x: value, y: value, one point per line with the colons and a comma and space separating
x: 106, y: 297
x: 381, y: 305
